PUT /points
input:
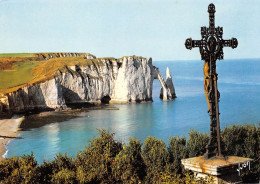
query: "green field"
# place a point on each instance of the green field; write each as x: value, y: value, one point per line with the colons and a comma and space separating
x: 20, y: 69
x: 16, y: 55
x: 20, y: 73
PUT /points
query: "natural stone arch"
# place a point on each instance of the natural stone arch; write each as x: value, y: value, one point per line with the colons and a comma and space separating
x: 167, y: 91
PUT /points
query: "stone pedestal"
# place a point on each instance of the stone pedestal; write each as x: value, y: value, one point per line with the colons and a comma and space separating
x: 224, y: 170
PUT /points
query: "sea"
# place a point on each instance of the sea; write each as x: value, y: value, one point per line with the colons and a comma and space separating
x: 238, y: 84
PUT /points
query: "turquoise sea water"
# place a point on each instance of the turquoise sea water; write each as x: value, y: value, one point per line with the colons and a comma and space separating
x: 239, y: 85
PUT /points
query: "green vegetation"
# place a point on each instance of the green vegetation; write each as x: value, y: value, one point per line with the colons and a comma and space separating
x: 48, y: 69
x: 17, y: 55
x: 20, y: 69
x: 19, y: 73
x: 106, y: 160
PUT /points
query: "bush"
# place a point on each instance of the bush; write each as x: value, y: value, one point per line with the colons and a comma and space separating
x: 95, y: 163
x: 177, y: 151
x: 129, y: 166
x: 62, y: 162
x: 48, y: 170
x: 196, y: 145
x: 45, y: 171
x: 18, y: 169
x: 64, y: 176
x: 106, y: 160
x: 187, y: 177
x: 155, y: 157
x: 244, y: 141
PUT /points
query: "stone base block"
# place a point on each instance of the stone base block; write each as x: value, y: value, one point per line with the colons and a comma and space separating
x: 222, y: 169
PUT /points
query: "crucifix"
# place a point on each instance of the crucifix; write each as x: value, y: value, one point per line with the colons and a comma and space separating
x: 211, y: 48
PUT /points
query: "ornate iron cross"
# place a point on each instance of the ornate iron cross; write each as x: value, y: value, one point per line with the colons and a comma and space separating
x: 211, y: 48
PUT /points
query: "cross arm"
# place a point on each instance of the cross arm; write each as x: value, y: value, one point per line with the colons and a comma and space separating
x: 192, y: 43
x: 230, y: 43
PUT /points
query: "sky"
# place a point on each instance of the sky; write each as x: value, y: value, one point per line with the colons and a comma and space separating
x: 116, y: 28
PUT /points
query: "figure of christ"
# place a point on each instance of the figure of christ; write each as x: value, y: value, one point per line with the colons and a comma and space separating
x: 206, y: 82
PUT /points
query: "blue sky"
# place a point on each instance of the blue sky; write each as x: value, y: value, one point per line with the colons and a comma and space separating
x: 150, y: 28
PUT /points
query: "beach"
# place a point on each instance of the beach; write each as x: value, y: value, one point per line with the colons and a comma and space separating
x: 9, y: 129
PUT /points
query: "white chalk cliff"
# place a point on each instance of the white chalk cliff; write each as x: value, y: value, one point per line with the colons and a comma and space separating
x: 124, y: 80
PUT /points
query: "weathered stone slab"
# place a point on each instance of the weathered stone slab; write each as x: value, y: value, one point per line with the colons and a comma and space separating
x: 223, y: 169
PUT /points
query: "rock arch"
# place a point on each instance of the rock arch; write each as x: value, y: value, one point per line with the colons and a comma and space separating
x: 167, y: 91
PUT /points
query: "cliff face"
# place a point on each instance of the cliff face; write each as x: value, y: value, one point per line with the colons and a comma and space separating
x: 124, y: 80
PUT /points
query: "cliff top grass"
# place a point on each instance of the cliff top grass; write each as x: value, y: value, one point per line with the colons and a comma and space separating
x: 18, y: 70
x: 37, y: 54
x: 17, y: 55
x: 21, y: 69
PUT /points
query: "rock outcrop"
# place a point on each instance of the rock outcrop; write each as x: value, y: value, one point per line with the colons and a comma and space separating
x: 168, y: 91
x: 124, y: 80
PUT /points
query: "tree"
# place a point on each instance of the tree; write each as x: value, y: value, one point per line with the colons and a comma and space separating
x: 94, y: 164
x: 155, y: 157
x: 129, y: 166
x: 177, y: 150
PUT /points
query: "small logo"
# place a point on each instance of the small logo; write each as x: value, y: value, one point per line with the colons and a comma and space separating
x: 242, y: 166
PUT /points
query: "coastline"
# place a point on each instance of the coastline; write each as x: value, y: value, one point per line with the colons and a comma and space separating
x: 9, y: 129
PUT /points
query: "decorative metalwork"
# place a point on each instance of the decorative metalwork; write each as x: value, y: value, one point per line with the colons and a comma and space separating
x: 211, y: 48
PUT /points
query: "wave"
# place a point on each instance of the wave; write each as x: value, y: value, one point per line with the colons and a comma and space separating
x: 5, y: 154
x: 6, y: 146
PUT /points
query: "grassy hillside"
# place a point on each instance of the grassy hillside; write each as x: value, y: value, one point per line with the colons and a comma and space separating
x: 16, y: 55
x: 20, y: 69
x: 19, y: 73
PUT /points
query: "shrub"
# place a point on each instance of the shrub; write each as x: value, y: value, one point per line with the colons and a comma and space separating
x: 196, y: 144
x: 95, y: 163
x: 64, y: 176
x: 177, y: 151
x: 244, y: 141
x: 61, y: 162
x: 155, y: 157
x: 105, y: 160
x: 45, y: 171
x: 48, y: 170
x: 188, y: 178
x: 19, y: 169
x: 129, y: 166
